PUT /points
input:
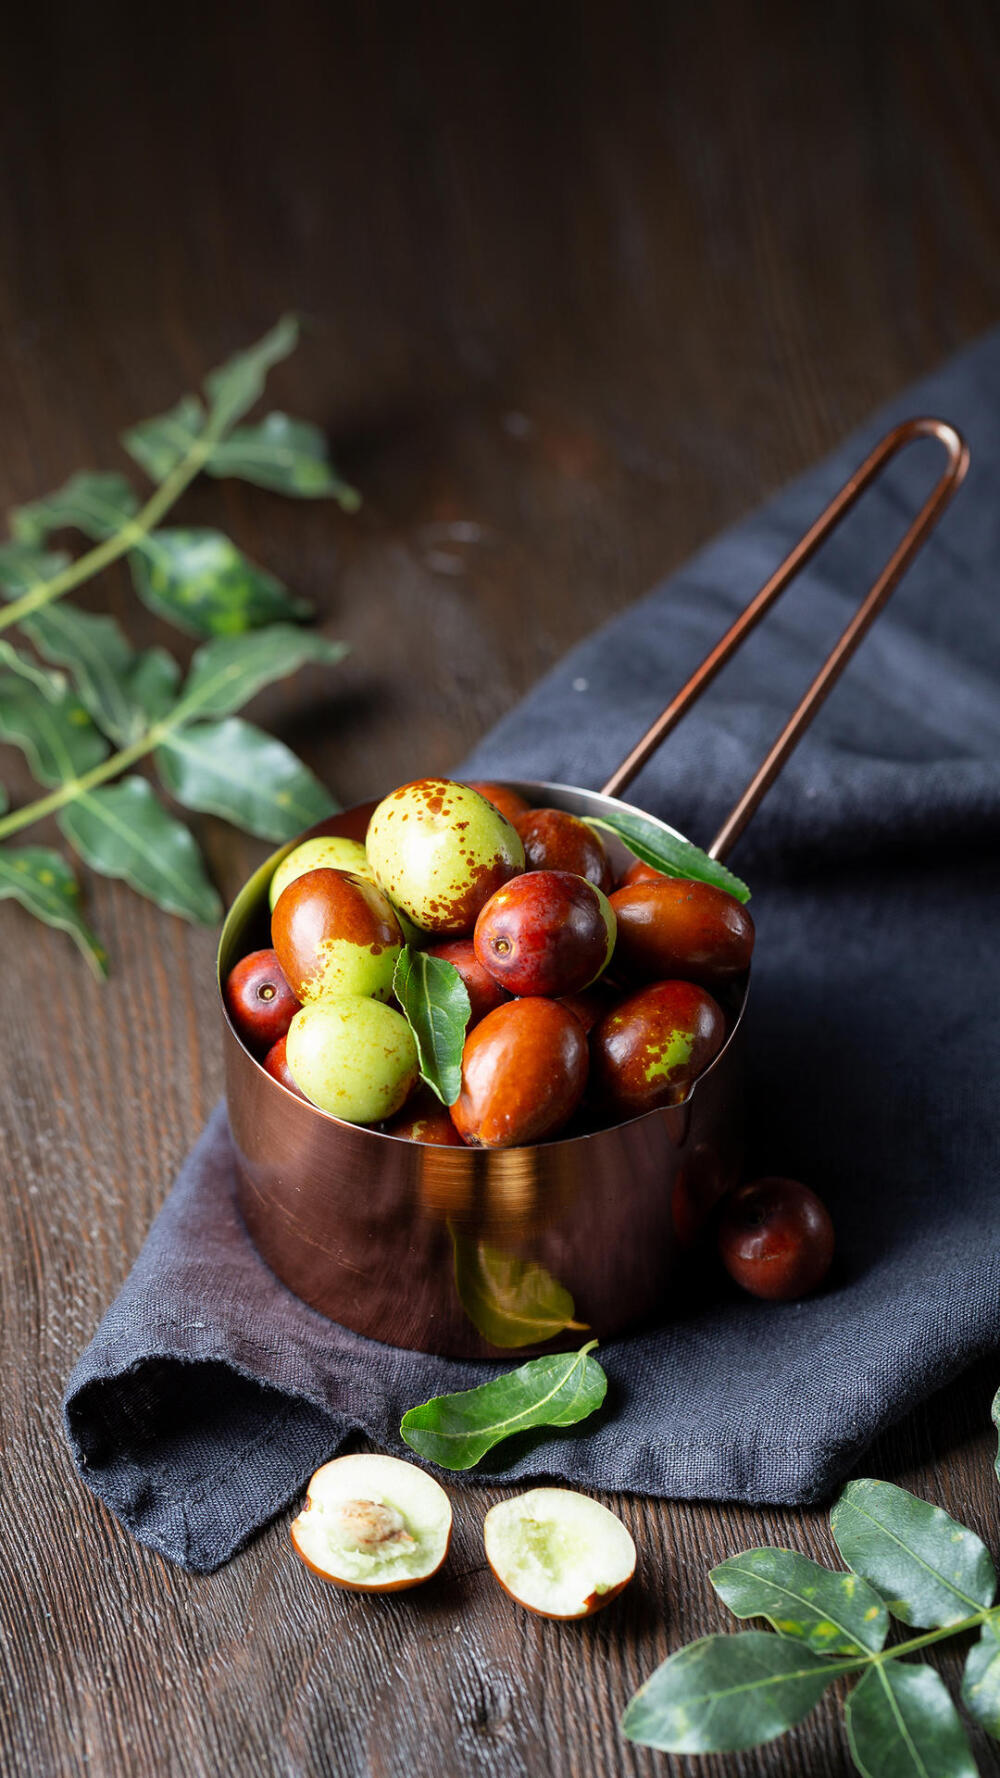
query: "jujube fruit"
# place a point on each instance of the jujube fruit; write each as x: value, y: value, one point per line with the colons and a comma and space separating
x: 649, y: 1050
x: 642, y: 873
x: 276, y: 1063
x: 555, y: 840
x: 439, y: 850
x: 373, y: 1524
x: 336, y: 934
x: 509, y: 802
x: 259, y: 999
x: 547, y: 932
x: 524, y: 1072
x: 677, y: 928
x: 775, y: 1238
x: 330, y: 851
x: 424, y: 1119
x: 558, y: 1553
x: 353, y: 1057
x: 484, y: 993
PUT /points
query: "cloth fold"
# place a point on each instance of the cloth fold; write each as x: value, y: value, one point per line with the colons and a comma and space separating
x: 210, y: 1393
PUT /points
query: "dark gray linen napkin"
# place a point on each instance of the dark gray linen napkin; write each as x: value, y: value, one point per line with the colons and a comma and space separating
x: 210, y: 1393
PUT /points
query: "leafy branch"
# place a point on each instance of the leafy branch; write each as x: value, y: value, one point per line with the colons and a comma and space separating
x: 100, y: 707
x: 906, y: 1559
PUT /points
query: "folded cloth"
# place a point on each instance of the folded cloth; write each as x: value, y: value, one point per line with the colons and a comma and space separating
x: 210, y: 1393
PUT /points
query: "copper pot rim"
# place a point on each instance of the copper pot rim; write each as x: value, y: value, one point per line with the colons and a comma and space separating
x: 258, y: 882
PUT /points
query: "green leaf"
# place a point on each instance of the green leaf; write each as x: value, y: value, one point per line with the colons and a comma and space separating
x: 122, y: 830
x: 152, y: 683
x: 981, y: 1680
x: 456, y: 1431
x: 98, y: 503
x: 901, y: 1723
x: 728, y: 1692
x: 54, y: 732
x: 24, y: 567
x: 227, y: 672
x: 237, y: 384
x: 158, y: 445
x: 435, y: 1000
x: 232, y: 769
x: 199, y: 580
x: 833, y: 1614
x: 44, y: 884
x: 668, y: 852
x: 930, y: 1570
x: 111, y: 679
x: 51, y: 685
x: 287, y: 455
x: 510, y: 1301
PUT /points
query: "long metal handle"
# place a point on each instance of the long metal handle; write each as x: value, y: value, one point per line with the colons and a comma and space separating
x: 836, y: 661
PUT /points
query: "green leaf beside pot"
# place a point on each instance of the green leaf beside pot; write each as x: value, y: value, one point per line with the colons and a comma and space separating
x: 456, y: 1431
x: 122, y: 830
x: 232, y: 769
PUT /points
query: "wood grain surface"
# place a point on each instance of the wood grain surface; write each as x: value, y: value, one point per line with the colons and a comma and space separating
x: 584, y: 283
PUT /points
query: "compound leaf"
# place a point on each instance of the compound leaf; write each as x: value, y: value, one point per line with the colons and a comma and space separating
x: 289, y: 456
x: 727, y: 1692
x: 901, y: 1723
x: 200, y: 581
x: 43, y: 883
x: 53, y: 731
x: 930, y: 1570
x: 237, y: 384
x: 227, y: 672
x: 122, y: 830
x: 833, y: 1614
x: 96, y: 502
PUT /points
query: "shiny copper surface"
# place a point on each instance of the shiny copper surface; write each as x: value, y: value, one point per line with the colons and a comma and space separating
x: 405, y: 1242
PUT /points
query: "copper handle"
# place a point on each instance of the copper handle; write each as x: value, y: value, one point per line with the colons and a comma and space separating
x: 840, y: 654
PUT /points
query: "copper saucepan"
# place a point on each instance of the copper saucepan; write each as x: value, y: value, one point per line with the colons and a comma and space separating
x: 471, y: 1252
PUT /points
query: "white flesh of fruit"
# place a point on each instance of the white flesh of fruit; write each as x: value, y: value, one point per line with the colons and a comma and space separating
x: 556, y: 1551
x: 373, y: 1520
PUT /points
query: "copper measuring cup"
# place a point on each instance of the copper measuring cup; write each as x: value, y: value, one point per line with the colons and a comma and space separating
x: 473, y: 1252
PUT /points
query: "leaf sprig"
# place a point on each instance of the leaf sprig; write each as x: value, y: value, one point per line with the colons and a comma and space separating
x: 906, y: 1559
x: 86, y: 708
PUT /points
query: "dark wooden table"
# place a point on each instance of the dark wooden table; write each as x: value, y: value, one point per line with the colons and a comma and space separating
x: 586, y: 282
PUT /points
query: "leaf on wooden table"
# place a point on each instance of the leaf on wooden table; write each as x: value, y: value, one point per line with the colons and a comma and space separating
x: 456, y: 1431
x: 232, y: 769
x: 228, y: 671
x: 23, y: 567
x: 287, y: 455
x: 43, y: 883
x: 510, y: 1301
x: 100, y: 659
x: 669, y: 852
x: 96, y: 502
x: 901, y: 1723
x: 199, y: 580
x: 159, y: 444
x: 152, y: 683
x: 930, y: 1570
x: 981, y: 1680
x: 54, y: 732
x: 12, y: 660
x: 435, y: 1002
x: 833, y: 1614
x: 727, y: 1692
x: 237, y: 384
x: 122, y: 830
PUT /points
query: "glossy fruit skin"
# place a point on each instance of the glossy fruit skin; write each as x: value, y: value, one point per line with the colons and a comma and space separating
x: 331, y: 851
x: 353, y: 1057
x: 259, y: 1000
x: 524, y: 1072
x: 484, y: 993
x: 424, y: 1119
x: 556, y: 840
x: 548, y: 932
x: 439, y: 850
x: 276, y: 1063
x: 507, y: 801
x: 650, y: 1049
x: 677, y: 930
x: 775, y: 1239
x: 336, y: 934
x: 642, y: 873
